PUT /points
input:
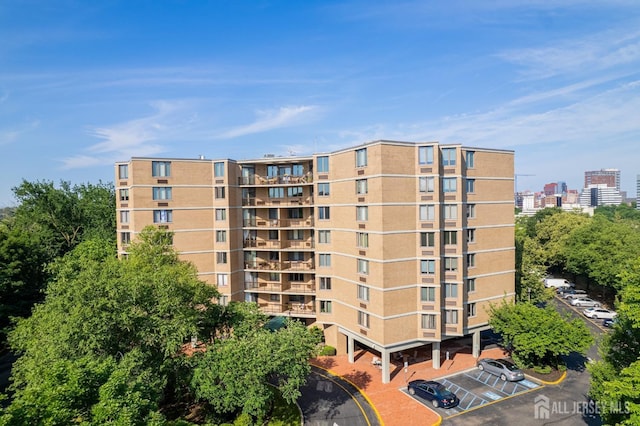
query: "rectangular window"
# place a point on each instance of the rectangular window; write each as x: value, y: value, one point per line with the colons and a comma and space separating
x: 221, y: 257
x: 471, y: 285
x: 451, y: 264
x: 124, y: 195
x: 363, y: 319
x: 219, y: 192
x: 299, y: 278
x: 221, y: 214
x: 295, y: 234
x: 362, y: 186
x: 125, y: 237
x: 162, y: 216
x: 428, y: 267
x: 298, y: 170
x: 471, y: 236
x: 324, y: 260
x: 425, y: 155
x: 295, y: 213
x: 222, y: 280
x: 428, y: 321
x: 123, y: 171
x: 325, y: 306
x: 449, y: 185
x: 295, y: 191
x: 362, y: 213
x: 218, y: 169
x: 274, y: 276
x: 274, y: 298
x: 450, y: 316
x: 450, y: 211
x: 427, y: 239
x: 322, y: 164
x: 324, y: 237
x: 450, y: 290
x: 124, y: 216
x: 323, y: 190
x: 162, y: 193
x: 362, y: 240
x: 363, y: 266
x: 450, y: 237
x: 471, y: 310
x: 471, y: 185
x: 427, y: 294
x: 470, y: 159
x: 448, y: 156
x: 427, y: 212
x: 276, y: 192
x: 361, y: 157
x: 471, y: 260
x: 273, y: 235
x: 363, y: 293
x: 471, y: 211
x: 221, y: 236
x: 161, y: 168
x: 427, y: 184
x: 325, y: 283
x: 324, y: 213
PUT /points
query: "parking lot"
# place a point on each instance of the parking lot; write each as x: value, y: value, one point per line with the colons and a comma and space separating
x: 476, y: 388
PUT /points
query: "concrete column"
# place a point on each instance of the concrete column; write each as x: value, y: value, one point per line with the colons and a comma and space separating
x: 435, y: 355
x: 386, y: 370
x: 350, y: 349
x: 476, y: 344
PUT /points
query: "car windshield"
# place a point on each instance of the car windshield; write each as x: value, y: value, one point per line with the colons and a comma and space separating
x: 442, y: 390
x: 510, y: 366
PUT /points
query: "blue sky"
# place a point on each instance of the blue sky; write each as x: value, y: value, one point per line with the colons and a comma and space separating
x: 86, y: 83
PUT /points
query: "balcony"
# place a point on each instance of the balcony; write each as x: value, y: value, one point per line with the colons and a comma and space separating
x: 277, y: 244
x: 289, y: 265
x: 278, y: 223
x: 277, y: 202
x: 294, y: 287
x: 259, y: 180
x: 291, y: 309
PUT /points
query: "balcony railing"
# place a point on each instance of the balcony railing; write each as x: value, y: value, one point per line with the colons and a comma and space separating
x: 288, y: 287
x: 275, y: 180
x: 294, y: 309
x: 277, y: 202
x: 289, y: 265
x: 277, y: 223
x: 277, y: 244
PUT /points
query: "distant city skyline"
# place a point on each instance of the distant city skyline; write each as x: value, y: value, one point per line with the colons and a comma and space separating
x: 86, y: 84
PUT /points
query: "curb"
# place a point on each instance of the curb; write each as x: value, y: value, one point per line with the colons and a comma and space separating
x: 564, y: 376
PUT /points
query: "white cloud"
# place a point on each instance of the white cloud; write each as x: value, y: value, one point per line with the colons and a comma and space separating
x: 273, y: 119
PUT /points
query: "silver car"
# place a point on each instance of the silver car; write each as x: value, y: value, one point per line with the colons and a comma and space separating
x: 584, y: 301
x: 502, y: 368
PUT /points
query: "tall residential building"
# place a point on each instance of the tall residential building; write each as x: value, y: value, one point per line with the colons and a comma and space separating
x: 608, y: 177
x: 387, y: 245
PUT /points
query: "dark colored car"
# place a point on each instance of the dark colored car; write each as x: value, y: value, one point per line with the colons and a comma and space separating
x: 435, y: 392
x: 608, y: 322
x: 502, y: 368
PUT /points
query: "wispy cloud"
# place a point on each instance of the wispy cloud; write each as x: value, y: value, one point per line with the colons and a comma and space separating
x: 273, y: 119
x: 13, y: 134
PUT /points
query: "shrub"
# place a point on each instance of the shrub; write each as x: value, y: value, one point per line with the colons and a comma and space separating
x: 542, y: 370
x: 327, y: 351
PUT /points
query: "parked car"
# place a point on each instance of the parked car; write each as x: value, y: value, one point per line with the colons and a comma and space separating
x: 609, y: 322
x: 573, y: 294
x: 584, y: 301
x: 435, y: 392
x: 600, y: 313
x: 557, y: 283
x: 502, y: 368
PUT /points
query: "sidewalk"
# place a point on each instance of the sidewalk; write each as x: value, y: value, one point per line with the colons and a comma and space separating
x: 393, y: 406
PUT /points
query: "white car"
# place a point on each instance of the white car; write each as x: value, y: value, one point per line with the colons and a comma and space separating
x: 584, y: 301
x: 600, y: 313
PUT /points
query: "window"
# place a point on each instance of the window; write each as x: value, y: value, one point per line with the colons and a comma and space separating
x: 449, y: 185
x: 361, y: 157
x: 471, y: 185
x: 322, y: 164
x: 124, y: 195
x: 297, y: 170
x: 323, y: 189
x: 291, y: 213
x: 451, y: 264
x: 295, y: 191
x: 471, y: 235
x: 162, y: 216
x: 362, y: 240
x: 425, y: 155
x: 125, y: 237
x: 221, y: 257
x: 272, y: 171
x: 363, y: 292
x: 471, y: 260
x: 221, y: 236
x: 471, y: 211
x: 274, y: 298
x: 362, y: 186
x: 124, y: 216
x: 470, y: 159
x: 162, y: 193
x: 296, y: 278
x: 362, y: 213
x: 363, y: 266
x: 324, y: 260
x: 222, y: 280
x: 218, y: 169
x: 273, y: 234
x: 450, y: 237
x: 428, y: 267
x: 471, y: 310
x: 428, y: 321
x: 295, y: 234
x: 471, y: 285
x: 448, y: 156
x: 324, y: 213
x: 160, y: 168
x: 450, y: 211
x: 123, y: 171
x: 427, y: 212
x: 325, y: 283
x: 450, y: 316
x: 219, y: 192
x: 221, y: 214
x: 324, y: 237
x: 274, y: 276
x: 427, y: 239
x: 276, y: 192
x: 427, y: 184
x: 450, y: 290
x: 363, y: 319
x: 325, y: 306
x: 427, y: 294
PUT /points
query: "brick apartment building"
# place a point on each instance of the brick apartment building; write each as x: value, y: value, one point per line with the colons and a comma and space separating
x: 388, y: 245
